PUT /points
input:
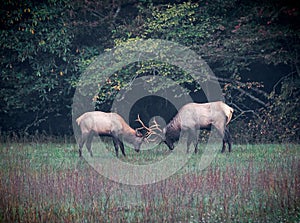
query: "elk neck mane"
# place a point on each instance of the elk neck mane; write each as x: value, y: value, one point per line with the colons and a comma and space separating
x: 173, y: 128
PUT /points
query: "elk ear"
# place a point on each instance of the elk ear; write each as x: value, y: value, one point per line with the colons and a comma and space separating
x: 138, y: 133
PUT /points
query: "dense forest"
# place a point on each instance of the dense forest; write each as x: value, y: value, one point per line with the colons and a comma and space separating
x: 251, y: 46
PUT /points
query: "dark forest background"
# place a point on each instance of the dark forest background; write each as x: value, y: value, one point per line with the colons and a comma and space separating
x: 251, y: 46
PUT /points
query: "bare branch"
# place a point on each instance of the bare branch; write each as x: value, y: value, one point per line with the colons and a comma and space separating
x: 281, y: 79
x: 117, y: 11
x: 242, y: 112
x: 252, y: 97
x: 238, y: 83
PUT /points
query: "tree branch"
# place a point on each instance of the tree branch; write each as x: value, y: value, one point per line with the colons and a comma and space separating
x: 242, y: 112
x: 252, y: 97
x: 281, y: 79
x: 236, y: 83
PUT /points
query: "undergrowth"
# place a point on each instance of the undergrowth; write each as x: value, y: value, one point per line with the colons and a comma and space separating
x: 48, y: 182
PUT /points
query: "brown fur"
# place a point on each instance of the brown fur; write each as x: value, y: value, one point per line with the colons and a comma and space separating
x: 194, y: 116
x: 109, y: 124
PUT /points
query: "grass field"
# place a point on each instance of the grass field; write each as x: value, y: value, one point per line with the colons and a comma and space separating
x: 47, y: 182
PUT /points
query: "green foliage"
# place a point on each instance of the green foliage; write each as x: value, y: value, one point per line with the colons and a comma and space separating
x: 276, y: 122
x: 186, y: 23
x: 283, y: 114
x: 231, y: 36
x: 45, y: 46
x: 36, y: 63
x: 42, y: 55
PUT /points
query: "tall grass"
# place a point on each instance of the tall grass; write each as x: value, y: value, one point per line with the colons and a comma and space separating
x: 47, y: 182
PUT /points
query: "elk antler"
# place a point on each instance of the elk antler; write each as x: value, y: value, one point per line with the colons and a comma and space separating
x: 150, y: 130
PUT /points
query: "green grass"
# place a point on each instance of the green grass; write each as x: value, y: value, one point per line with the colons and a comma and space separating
x: 47, y: 182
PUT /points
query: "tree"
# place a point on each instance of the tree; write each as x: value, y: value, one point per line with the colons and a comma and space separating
x: 231, y: 39
x: 44, y: 47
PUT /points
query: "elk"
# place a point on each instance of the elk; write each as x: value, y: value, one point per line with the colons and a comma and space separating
x: 194, y: 116
x: 107, y: 124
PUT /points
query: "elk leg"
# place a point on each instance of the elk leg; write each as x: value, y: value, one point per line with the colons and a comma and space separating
x: 189, y: 141
x: 81, y: 142
x: 89, y: 143
x: 228, y: 139
x: 122, y: 147
x: 196, y: 143
x: 224, y: 146
x: 221, y: 131
x: 116, y: 145
x: 224, y: 142
x: 192, y: 136
x: 229, y: 144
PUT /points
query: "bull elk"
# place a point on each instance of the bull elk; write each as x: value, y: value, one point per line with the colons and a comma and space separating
x: 109, y: 124
x: 194, y: 116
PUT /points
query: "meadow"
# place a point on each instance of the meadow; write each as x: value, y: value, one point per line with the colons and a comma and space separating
x: 48, y: 182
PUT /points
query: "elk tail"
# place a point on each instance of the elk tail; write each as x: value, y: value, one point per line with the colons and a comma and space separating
x: 229, y: 115
x: 78, y: 120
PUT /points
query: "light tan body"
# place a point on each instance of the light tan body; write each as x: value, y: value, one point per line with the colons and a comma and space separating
x: 110, y: 124
x: 194, y: 116
x: 103, y: 123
